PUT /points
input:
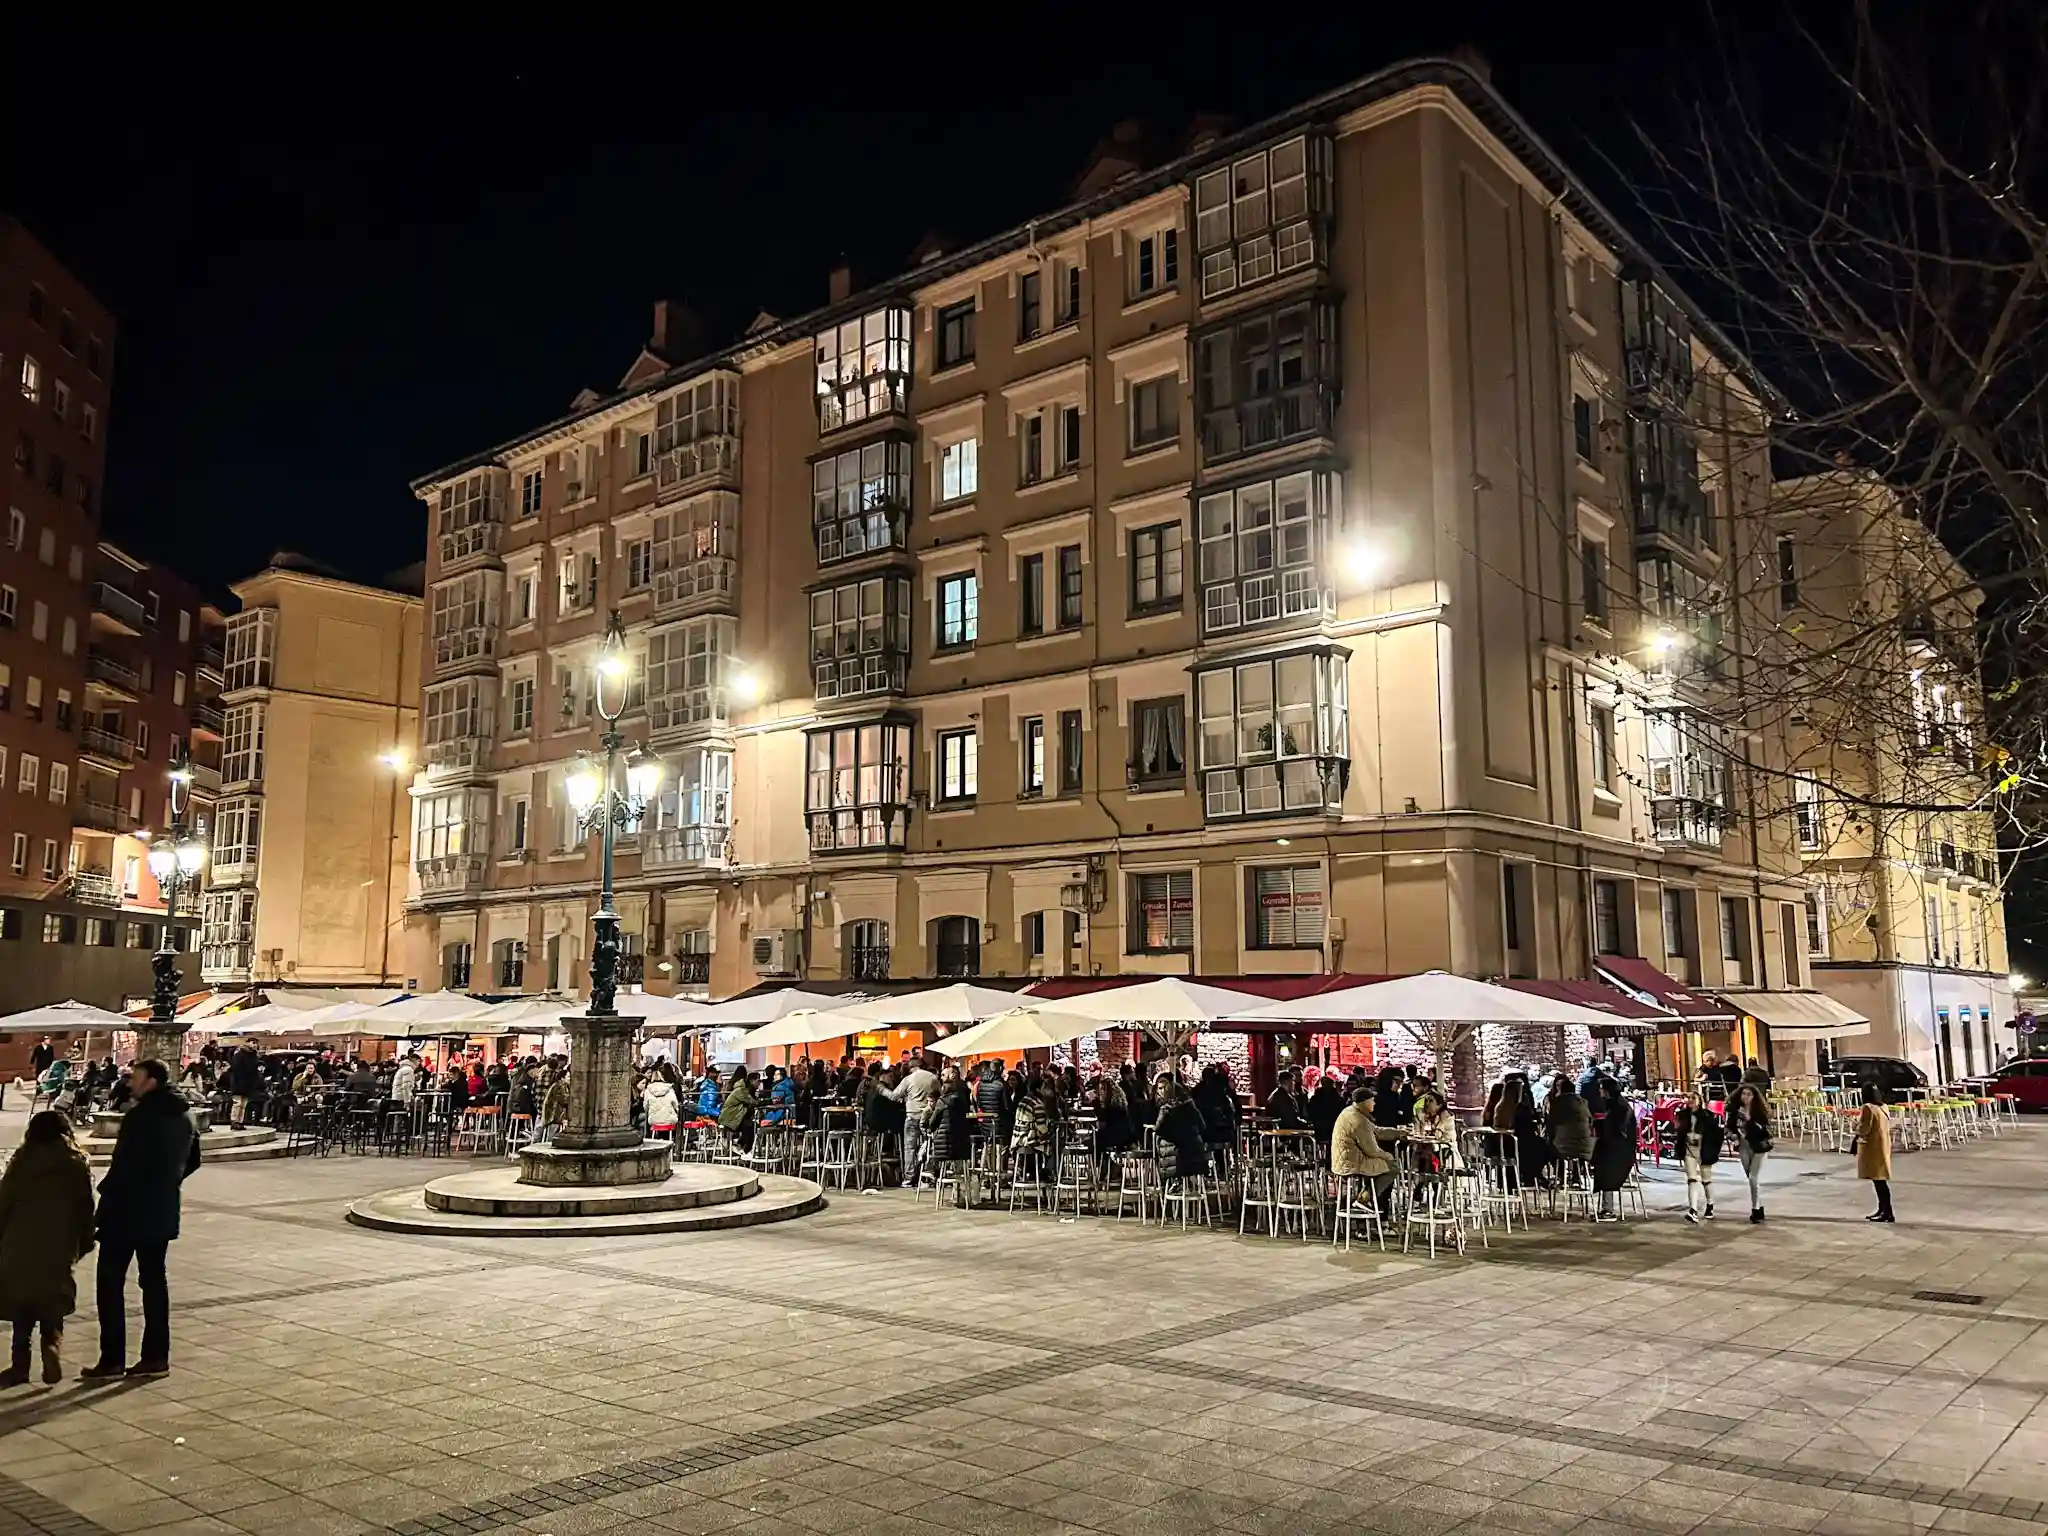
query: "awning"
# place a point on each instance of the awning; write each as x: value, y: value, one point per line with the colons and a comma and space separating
x: 1274, y: 988
x: 1630, y: 1017
x: 1644, y: 982
x: 1797, y: 1015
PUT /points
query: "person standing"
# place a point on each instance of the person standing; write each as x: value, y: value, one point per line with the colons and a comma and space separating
x: 1698, y: 1130
x: 1749, y: 1122
x: 45, y: 1229
x: 245, y: 1082
x: 154, y: 1153
x: 914, y: 1093
x: 40, y: 1058
x: 1874, y: 1150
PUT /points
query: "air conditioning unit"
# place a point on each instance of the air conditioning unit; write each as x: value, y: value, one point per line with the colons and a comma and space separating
x: 780, y: 952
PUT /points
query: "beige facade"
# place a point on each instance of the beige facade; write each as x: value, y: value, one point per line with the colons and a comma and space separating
x: 1300, y: 557
x: 1905, y: 911
x: 308, y: 874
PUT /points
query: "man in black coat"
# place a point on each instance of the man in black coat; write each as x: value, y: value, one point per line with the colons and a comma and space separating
x: 245, y: 1082
x: 138, y: 1220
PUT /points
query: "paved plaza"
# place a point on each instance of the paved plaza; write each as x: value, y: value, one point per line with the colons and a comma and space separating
x: 884, y: 1367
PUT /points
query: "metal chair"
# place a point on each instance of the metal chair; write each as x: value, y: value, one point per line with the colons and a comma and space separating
x: 1356, y: 1206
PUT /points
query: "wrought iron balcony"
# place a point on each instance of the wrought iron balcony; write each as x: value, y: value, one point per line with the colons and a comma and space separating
x: 107, y: 675
x: 95, y: 887
x: 867, y: 962
x: 451, y: 874
x: 693, y: 970
x: 685, y: 847
x: 475, y: 543
x: 106, y: 746
x: 209, y: 720
x: 101, y: 816
x: 709, y: 461
x: 1679, y: 819
x: 117, y: 610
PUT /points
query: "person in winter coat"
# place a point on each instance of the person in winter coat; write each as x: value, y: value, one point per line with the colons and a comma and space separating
x: 1285, y: 1104
x: 405, y: 1082
x: 1031, y: 1128
x: 1217, y: 1105
x: 988, y: 1095
x: 914, y: 1093
x: 663, y: 1112
x: 245, y: 1082
x: 554, y: 1104
x: 1391, y: 1102
x: 946, y: 1123
x: 46, y: 1227
x: 1355, y: 1150
x: 1749, y: 1126
x: 1697, y: 1131
x: 1183, y: 1133
x: 707, y: 1095
x: 1874, y: 1150
x: 1515, y: 1115
x: 1435, y: 1127
x: 736, y: 1113
x: 1614, y: 1145
x: 154, y: 1153
x: 1571, y: 1122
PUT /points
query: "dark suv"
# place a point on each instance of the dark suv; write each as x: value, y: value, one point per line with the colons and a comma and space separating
x: 1890, y: 1073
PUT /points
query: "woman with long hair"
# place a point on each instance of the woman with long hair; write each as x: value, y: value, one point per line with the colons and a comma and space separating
x: 46, y: 1227
x: 1749, y: 1125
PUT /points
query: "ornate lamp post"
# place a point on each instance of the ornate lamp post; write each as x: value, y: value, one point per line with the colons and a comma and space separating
x: 175, y: 859
x: 598, y: 1143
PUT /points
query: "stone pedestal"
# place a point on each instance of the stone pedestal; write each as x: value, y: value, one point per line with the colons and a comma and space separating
x: 164, y: 1042
x: 598, y: 1143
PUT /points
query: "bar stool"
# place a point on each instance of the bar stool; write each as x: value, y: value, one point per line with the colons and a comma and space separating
x: 1493, y: 1157
x: 519, y: 1130
x: 1356, y: 1207
x: 1075, y: 1180
x: 1183, y: 1195
x: 1433, y: 1205
x: 1575, y: 1187
x: 1035, y: 1188
x: 1259, y: 1178
x: 1137, y: 1176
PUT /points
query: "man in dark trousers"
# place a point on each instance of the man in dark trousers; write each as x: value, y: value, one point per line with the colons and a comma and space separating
x: 138, y: 1219
x: 40, y: 1058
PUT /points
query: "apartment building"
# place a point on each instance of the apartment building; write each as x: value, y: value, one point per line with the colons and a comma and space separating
x: 1904, y: 910
x: 1302, y: 555
x: 318, y: 699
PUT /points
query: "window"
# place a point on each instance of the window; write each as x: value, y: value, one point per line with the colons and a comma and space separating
x: 1266, y: 378
x: 63, y: 717
x: 17, y: 528
x: 1031, y: 776
x: 689, y: 669
x: 1067, y: 453
x: 237, y: 829
x: 959, y: 469
x: 860, y: 637
x: 1161, y: 919
x: 10, y: 601
x: 1070, y: 586
x: 1155, y: 263
x: 578, y: 582
x: 174, y: 750
x: 1066, y: 293
x: 955, y: 327
x: 177, y: 687
x: 860, y: 500
x: 1259, y: 557
x: 956, y: 946
x: 857, y: 787
x: 1806, y: 812
x: 525, y: 597
x: 1733, y: 928
x: 1601, y: 720
x: 92, y: 356
x: 1934, y: 954
x: 523, y: 691
x: 1030, y: 309
x: 141, y: 738
x: 1687, y: 759
x: 959, y: 608
x: 60, y: 783
x: 88, y: 422
x: 1274, y: 735
x: 450, y: 825
x: 1593, y: 580
x: 1031, y: 595
x: 1060, y: 423
x: 518, y: 824
x: 1070, y: 751
x: 1287, y: 907
x: 32, y: 381
x: 99, y: 933
x: 455, y: 722
x: 1155, y: 412
x: 32, y: 699
x: 959, y: 756
x: 1031, y: 449
x: 39, y: 623
x: 639, y: 564
x: 184, y: 625
x: 1260, y: 216
x: 1585, y: 431
x: 250, y: 644
x: 1156, y: 568
x: 456, y: 961
x: 1673, y: 904
x: 74, y: 564
x: 1158, y: 743
x: 29, y: 773
x: 38, y: 305
x: 241, y: 756
x: 1514, y: 880
x: 140, y: 936
x: 508, y: 963
x: 529, y: 493
x: 1607, y: 917
x: 1788, y: 937
x: 863, y: 369
x: 17, y: 861
x: 50, y: 866
x: 1788, y: 573
x: 59, y: 928
x: 60, y: 400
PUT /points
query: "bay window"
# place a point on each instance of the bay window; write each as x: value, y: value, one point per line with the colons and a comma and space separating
x: 860, y: 637
x: 1267, y: 378
x: 471, y: 510
x: 693, y: 548
x: 249, y: 648
x: 1264, y: 215
x: 452, y: 824
x: 696, y: 430
x: 241, y: 756
x: 857, y: 786
x: 465, y: 619
x: 863, y: 368
x: 237, y: 826
x: 1687, y: 758
x: 688, y: 672
x: 860, y: 500
x: 456, y: 724
x: 692, y: 819
x: 1260, y: 557
x: 1274, y: 735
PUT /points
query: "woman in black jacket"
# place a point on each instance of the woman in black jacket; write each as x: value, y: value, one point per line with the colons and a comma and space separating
x: 1614, y: 1144
x: 945, y: 1121
x: 1218, y: 1108
x: 1183, y: 1134
x: 1697, y: 1131
x: 1749, y: 1124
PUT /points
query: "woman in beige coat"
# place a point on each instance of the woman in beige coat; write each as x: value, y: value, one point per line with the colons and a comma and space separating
x: 1874, y: 1150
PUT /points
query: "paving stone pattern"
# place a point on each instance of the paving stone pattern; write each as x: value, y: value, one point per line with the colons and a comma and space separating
x: 890, y: 1367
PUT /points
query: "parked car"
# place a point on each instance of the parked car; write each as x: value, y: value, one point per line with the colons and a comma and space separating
x: 1891, y: 1073
x: 2026, y: 1081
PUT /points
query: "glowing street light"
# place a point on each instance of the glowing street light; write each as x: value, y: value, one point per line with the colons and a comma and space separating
x: 600, y: 803
x: 175, y: 859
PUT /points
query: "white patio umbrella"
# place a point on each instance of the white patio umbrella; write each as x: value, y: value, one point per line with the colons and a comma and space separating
x: 1018, y: 1029
x: 425, y: 1016
x: 533, y: 1015
x: 960, y: 1003
x: 1165, y: 1000
x: 802, y: 1026
x: 759, y: 1008
x: 1434, y: 997
x: 68, y: 1015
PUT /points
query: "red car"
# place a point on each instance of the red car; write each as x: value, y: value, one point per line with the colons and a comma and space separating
x: 2026, y: 1081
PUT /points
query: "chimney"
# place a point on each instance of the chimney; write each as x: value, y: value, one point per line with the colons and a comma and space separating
x: 839, y: 287
x: 678, y: 332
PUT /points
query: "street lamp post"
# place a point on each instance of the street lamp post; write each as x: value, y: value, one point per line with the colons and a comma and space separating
x: 598, y: 1143
x: 175, y: 859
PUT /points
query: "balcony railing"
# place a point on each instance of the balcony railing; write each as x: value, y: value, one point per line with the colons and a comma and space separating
x: 697, y: 581
x: 95, y: 887
x: 957, y: 960
x: 863, y: 399
x: 210, y: 659
x: 1266, y: 597
x: 867, y: 962
x: 710, y: 460
x: 233, y: 870
x: 693, y: 970
x: 116, y: 676
x: 209, y: 720
x: 868, y: 533
x: 1304, y: 412
x: 102, y: 816
x: 109, y: 746
x: 706, y: 847
x: 458, y: 754
x: 1680, y: 819
x: 853, y: 677
x: 226, y: 961
x: 465, y: 645
x: 452, y: 873
x: 122, y: 610
x: 854, y: 828
x: 470, y: 542
x: 205, y: 778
